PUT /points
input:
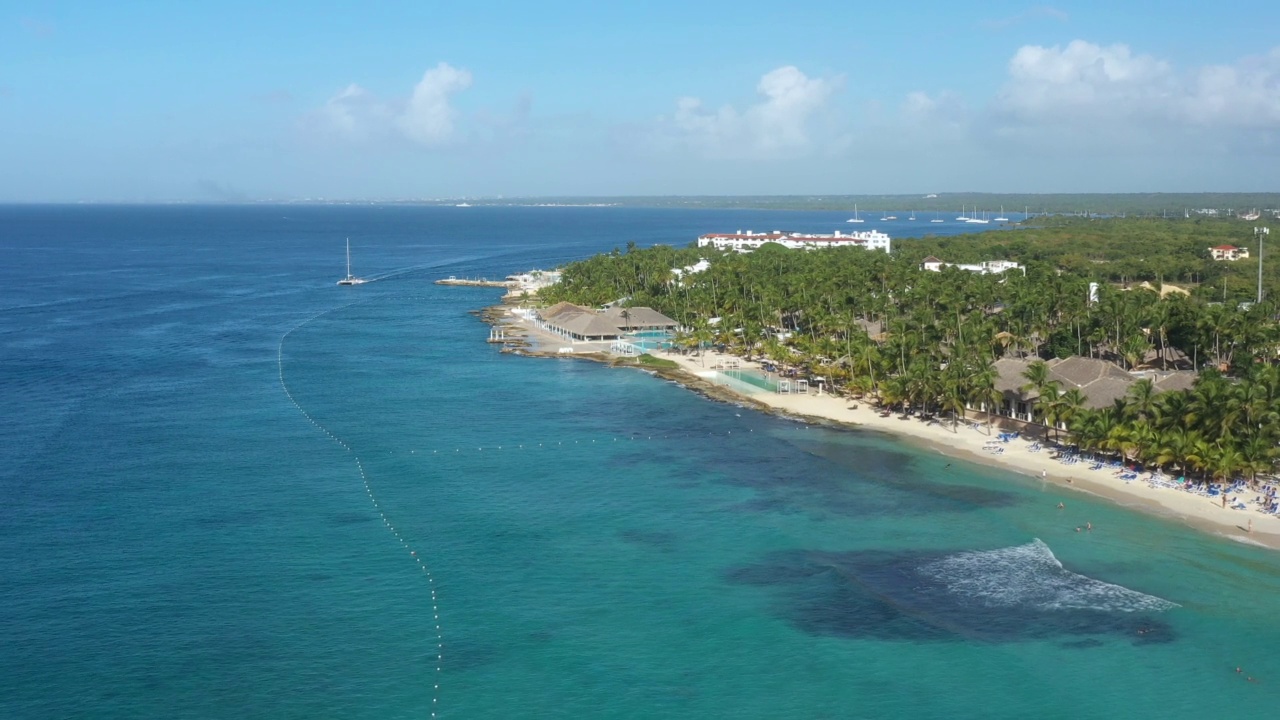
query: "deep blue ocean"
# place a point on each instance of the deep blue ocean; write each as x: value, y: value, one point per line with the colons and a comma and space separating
x: 232, y: 489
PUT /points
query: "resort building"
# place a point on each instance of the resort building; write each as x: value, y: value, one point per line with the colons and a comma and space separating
x: 1229, y: 252
x: 578, y: 324
x: 1101, y: 382
x: 639, y: 319
x: 990, y: 267
x: 748, y: 241
x: 529, y: 283
x: 695, y: 268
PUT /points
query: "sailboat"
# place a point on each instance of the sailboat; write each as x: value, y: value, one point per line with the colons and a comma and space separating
x: 1002, y: 218
x: 855, y: 218
x: 913, y: 215
x: 978, y: 220
x: 350, y: 279
x: 935, y: 217
x: 963, y: 217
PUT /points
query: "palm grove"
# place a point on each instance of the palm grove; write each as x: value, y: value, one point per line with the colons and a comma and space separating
x: 876, y: 325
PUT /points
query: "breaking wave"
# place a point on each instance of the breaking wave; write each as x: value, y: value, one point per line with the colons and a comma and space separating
x: 1029, y: 576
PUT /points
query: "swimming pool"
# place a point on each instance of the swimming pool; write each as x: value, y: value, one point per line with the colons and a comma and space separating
x: 647, y: 345
x: 646, y: 340
x: 750, y: 381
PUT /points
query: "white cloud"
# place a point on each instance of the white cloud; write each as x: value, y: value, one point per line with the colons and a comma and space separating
x: 1108, y: 87
x: 778, y: 126
x: 1083, y: 81
x: 427, y: 117
x: 1244, y: 95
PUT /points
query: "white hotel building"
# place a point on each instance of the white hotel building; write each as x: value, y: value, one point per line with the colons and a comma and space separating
x: 748, y: 241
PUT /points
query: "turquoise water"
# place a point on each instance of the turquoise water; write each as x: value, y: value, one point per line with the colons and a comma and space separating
x: 180, y: 540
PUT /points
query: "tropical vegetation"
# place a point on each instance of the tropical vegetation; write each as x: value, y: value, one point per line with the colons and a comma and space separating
x: 876, y: 324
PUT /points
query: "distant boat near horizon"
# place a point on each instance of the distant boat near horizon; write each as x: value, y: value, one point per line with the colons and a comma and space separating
x: 855, y: 218
x: 936, y: 217
x: 463, y: 204
x: 1002, y: 218
x: 350, y: 279
x: 962, y: 217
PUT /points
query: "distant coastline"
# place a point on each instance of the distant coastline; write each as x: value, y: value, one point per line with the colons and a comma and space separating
x: 1223, y: 205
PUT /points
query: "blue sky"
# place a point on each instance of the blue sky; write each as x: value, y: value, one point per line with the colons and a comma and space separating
x: 152, y: 101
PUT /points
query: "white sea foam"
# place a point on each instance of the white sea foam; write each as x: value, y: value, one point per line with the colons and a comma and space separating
x: 1030, y: 576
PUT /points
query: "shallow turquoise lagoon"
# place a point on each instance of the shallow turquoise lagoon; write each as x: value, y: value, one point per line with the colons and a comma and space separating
x: 181, y: 540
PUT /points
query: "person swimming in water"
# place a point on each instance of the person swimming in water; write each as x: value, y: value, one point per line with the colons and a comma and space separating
x: 1061, y: 506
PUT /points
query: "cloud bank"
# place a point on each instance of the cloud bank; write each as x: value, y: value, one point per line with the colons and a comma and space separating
x: 780, y: 125
x: 1110, y: 88
x: 426, y: 117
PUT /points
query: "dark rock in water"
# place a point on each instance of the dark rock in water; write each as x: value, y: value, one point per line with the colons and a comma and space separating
x: 1004, y: 595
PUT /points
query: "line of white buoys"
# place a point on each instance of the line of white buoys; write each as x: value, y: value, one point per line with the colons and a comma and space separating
x: 377, y: 506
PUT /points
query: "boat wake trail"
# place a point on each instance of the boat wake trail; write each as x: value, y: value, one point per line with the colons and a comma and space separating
x: 373, y: 498
x: 409, y: 270
x: 1030, y: 576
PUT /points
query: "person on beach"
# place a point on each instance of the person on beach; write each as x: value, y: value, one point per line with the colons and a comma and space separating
x: 1250, y: 528
x: 1224, y: 501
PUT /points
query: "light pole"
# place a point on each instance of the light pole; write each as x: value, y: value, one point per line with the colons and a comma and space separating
x: 1260, y: 232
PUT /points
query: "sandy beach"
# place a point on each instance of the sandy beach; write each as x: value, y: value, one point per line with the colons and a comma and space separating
x: 971, y: 440
x: 979, y: 444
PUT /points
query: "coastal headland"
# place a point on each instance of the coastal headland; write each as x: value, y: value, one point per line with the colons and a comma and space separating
x: 971, y: 439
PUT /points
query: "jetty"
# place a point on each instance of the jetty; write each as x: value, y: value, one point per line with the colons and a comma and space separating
x: 518, y: 286
x: 480, y: 282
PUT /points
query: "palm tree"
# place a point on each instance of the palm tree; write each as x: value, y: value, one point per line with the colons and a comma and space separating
x: 1257, y: 455
x: 983, y: 392
x: 1069, y: 406
x: 1046, y: 390
x: 1142, y: 398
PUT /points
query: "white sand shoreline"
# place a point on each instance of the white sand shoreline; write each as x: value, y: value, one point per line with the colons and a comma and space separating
x: 967, y: 443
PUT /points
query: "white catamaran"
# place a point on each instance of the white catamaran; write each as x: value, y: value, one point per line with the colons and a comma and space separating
x: 350, y: 279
